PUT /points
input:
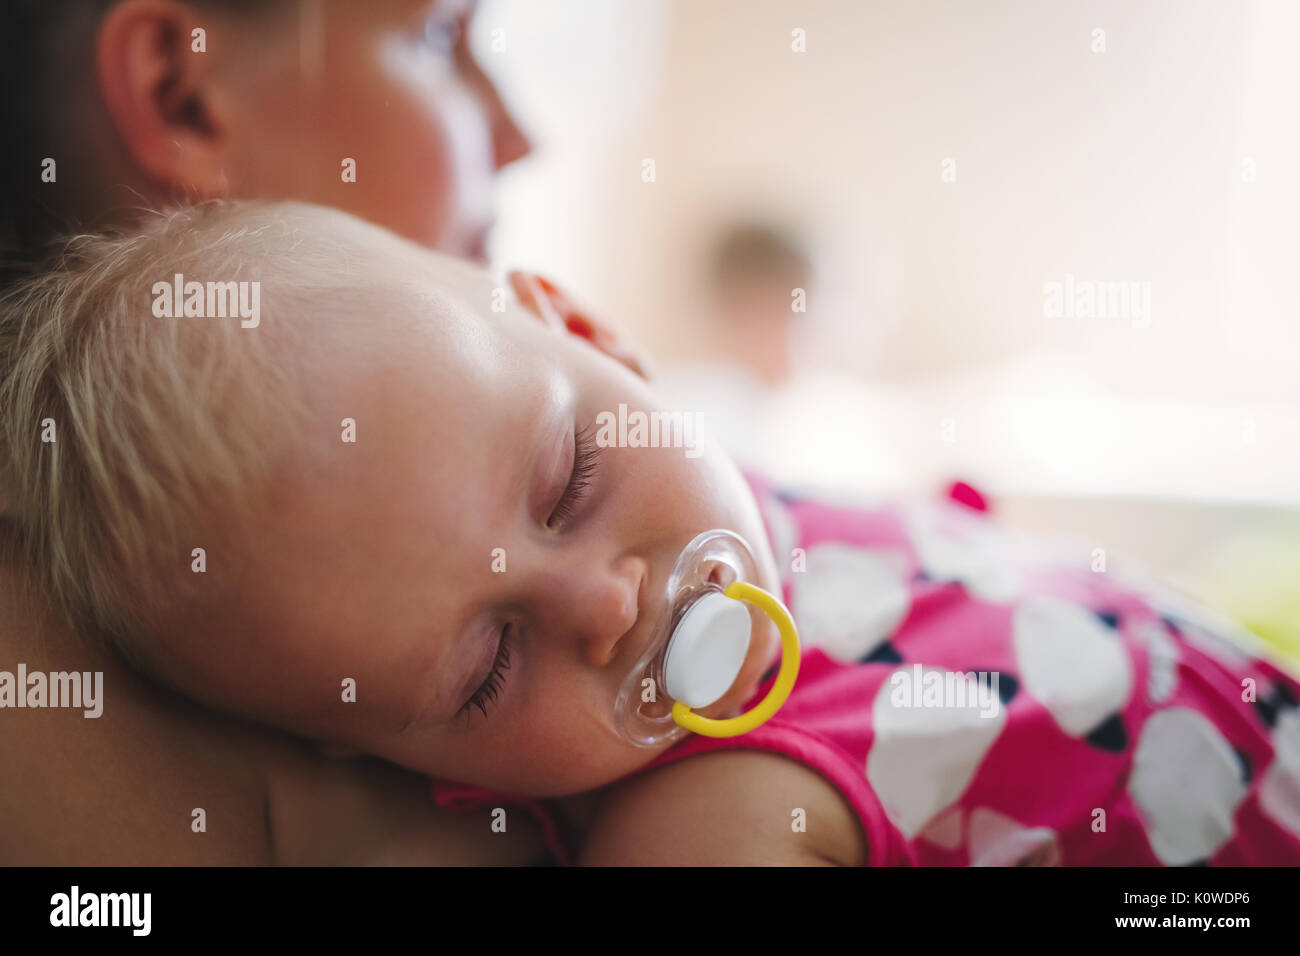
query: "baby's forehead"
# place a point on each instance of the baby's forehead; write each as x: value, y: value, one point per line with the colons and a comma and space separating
x: 361, y: 301
x: 370, y: 282
x: 434, y: 284
x: 414, y: 336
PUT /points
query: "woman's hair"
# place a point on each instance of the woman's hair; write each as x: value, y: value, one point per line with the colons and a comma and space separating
x: 126, y: 437
x: 755, y: 252
x: 47, y: 55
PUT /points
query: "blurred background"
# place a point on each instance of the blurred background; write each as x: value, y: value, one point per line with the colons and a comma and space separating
x: 863, y: 240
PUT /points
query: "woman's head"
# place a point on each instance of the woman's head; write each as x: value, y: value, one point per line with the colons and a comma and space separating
x: 274, y: 99
x: 402, y: 444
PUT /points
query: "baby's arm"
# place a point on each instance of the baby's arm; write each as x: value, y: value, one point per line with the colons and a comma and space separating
x: 727, y: 808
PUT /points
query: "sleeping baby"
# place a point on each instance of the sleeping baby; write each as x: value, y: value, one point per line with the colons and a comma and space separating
x: 387, y: 517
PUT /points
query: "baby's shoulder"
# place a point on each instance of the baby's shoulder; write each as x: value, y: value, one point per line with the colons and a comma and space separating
x: 732, y: 807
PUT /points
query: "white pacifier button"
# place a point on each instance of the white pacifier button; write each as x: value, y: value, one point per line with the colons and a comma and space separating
x: 707, y: 650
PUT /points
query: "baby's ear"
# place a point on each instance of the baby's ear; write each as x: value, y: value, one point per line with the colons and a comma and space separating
x: 553, y: 307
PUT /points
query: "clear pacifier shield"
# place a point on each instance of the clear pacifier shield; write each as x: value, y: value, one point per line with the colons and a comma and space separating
x: 690, y: 665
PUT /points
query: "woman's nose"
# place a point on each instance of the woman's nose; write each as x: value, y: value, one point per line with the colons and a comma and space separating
x: 601, y: 605
x: 509, y: 142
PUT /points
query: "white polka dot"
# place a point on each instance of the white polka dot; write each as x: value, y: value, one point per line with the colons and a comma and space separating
x: 784, y: 532
x: 998, y: 840
x: 1070, y: 662
x: 1187, y: 782
x: 945, y: 829
x: 953, y: 545
x: 1279, y: 790
x: 923, y: 758
x: 850, y: 600
x: 1162, y: 661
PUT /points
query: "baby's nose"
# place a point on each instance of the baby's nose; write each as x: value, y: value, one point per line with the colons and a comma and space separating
x: 604, y: 606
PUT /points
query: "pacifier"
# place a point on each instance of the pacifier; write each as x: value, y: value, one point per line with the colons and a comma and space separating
x: 712, y: 613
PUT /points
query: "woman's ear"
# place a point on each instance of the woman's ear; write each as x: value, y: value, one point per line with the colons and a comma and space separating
x: 553, y: 307
x: 154, y: 77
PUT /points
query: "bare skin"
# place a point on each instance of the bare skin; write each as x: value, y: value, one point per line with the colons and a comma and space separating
x: 148, y: 122
x: 121, y: 789
x: 732, y: 808
x: 157, y: 124
x: 370, y: 562
x: 275, y: 105
x: 363, y: 568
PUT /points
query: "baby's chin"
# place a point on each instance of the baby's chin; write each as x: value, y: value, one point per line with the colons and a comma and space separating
x: 591, y: 755
x: 619, y: 759
x: 600, y: 757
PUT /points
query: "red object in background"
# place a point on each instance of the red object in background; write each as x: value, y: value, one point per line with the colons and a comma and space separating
x: 545, y: 300
x: 967, y: 495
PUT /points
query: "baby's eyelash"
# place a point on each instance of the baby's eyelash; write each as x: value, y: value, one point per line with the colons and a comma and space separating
x: 586, y: 454
x: 492, y: 684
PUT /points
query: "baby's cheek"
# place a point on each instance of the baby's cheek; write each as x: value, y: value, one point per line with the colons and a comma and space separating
x: 728, y: 502
x: 570, y: 746
x: 544, y: 750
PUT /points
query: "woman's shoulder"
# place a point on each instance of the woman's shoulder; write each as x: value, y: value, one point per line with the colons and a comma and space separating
x: 136, y: 777
x: 156, y: 779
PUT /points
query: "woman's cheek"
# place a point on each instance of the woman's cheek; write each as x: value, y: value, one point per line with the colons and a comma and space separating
x: 408, y: 121
x: 469, y: 160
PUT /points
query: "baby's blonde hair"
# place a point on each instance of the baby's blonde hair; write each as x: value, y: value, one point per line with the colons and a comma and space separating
x: 161, y: 426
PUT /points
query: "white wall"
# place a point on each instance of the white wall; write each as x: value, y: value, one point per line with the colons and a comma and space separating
x: 1125, y: 165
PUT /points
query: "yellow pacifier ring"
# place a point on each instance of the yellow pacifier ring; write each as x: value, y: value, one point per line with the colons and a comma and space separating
x: 770, y: 704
